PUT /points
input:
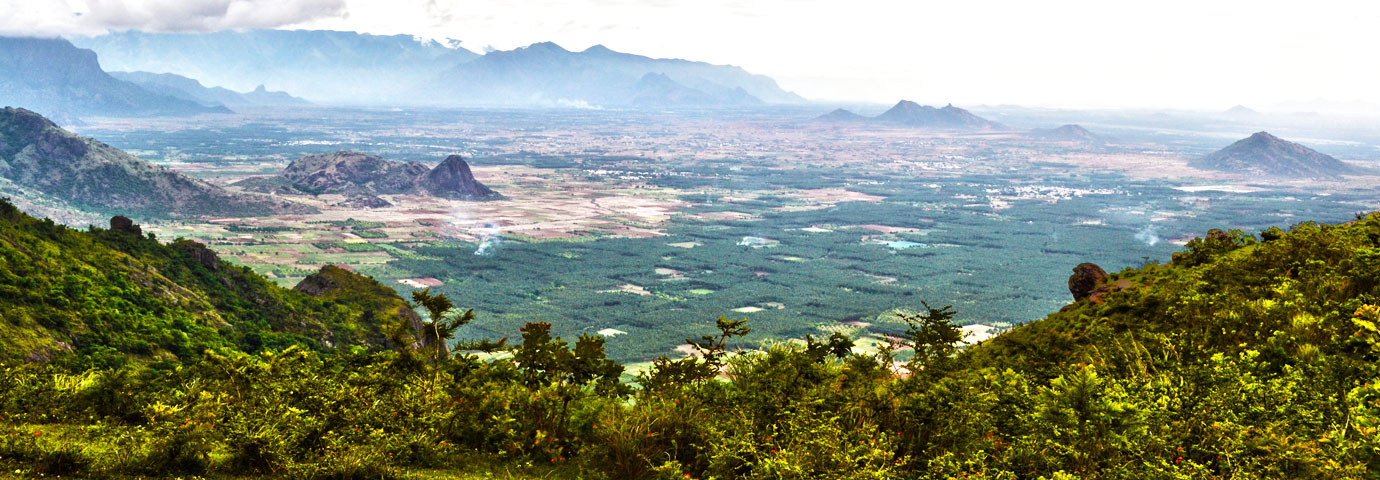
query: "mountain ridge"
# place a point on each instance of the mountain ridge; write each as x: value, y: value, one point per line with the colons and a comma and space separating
x: 36, y: 153
x: 55, y: 77
x: 192, y: 89
x: 350, y: 68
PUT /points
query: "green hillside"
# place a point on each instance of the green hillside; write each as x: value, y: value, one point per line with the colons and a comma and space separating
x: 1245, y: 357
x: 106, y: 296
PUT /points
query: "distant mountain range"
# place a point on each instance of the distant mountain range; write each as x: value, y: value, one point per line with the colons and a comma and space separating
x: 546, y: 74
x: 191, y: 89
x: 1263, y: 154
x: 324, y: 66
x: 353, y: 68
x: 362, y: 177
x: 38, y: 155
x: 910, y: 114
x: 1067, y: 133
x: 58, y: 79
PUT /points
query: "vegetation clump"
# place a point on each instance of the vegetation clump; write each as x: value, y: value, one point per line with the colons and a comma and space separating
x: 1243, y: 358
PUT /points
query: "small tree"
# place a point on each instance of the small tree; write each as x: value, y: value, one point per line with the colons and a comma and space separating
x: 705, y: 364
x: 934, y: 338
x: 437, y: 331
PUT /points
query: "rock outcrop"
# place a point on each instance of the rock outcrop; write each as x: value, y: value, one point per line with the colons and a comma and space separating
x: 363, y: 177
x: 453, y: 179
x: 1089, y: 282
x: 353, y: 173
x: 123, y: 224
x: 198, y: 251
x: 1086, y: 278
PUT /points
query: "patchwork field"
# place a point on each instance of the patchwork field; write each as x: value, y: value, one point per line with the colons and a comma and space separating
x: 654, y: 225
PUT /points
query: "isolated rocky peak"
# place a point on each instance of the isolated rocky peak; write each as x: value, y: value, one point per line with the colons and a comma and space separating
x: 1268, y: 155
x: 453, y: 179
x: 1067, y: 133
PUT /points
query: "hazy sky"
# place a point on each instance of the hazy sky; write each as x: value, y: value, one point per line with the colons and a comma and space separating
x: 1165, y: 53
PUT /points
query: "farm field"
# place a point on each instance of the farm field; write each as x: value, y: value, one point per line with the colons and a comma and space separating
x: 654, y: 224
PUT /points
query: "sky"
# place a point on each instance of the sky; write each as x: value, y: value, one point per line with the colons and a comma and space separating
x: 1199, y: 54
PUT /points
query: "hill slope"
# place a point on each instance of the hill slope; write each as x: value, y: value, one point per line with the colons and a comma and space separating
x: 1268, y: 155
x: 108, y: 294
x: 36, y: 154
x: 58, y: 79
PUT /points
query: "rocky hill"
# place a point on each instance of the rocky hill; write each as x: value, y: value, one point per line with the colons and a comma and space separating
x: 117, y: 295
x: 362, y: 176
x: 840, y: 115
x: 452, y: 179
x: 911, y: 114
x: 56, y: 78
x: 38, y: 155
x: 1263, y: 154
x: 1067, y: 133
x: 353, y: 173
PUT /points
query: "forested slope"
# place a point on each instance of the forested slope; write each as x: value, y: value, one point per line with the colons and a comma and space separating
x: 109, y: 295
x: 1244, y: 357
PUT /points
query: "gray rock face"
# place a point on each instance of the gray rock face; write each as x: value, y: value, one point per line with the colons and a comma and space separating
x: 364, y: 176
x: 198, y: 251
x: 453, y: 179
x: 353, y: 173
x: 120, y: 223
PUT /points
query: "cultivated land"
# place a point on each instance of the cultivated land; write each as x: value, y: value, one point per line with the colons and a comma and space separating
x: 652, y: 223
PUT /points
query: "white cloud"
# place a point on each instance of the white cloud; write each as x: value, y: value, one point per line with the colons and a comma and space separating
x: 89, y: 17
x: 1169, y: 53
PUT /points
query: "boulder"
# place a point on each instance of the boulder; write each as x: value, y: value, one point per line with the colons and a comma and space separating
x: 453, y: 179
x: 123, y: 224
x: 1086, y: 279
